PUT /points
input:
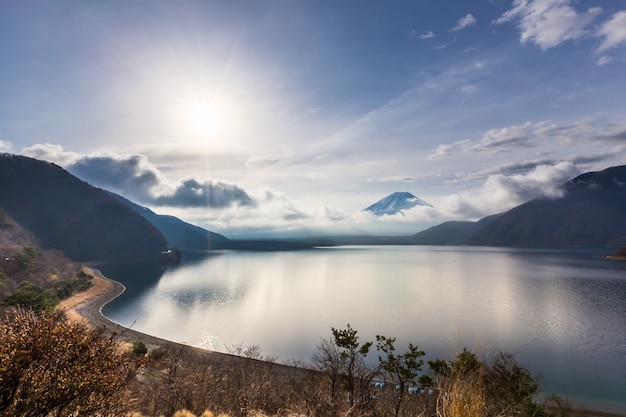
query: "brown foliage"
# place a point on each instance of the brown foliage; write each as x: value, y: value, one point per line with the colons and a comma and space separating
x: 49, y: 365
x: 178, y: 378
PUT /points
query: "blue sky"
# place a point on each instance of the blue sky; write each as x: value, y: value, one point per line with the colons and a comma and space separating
x: 292, y: 116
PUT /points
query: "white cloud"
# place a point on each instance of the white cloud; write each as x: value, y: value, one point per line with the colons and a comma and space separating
x: 136, y: 178
x: 603, y: 60
x: 527, y: 135
x: 191, y: 192
x: 548, y: 23
x: 614, y: 31
x: 442, y: 151
x: 5, y: 145
x: 51, y: 153
x: 427, y: 35
x: 465, y: 21
x: 334, y: 214
x: 505, y: 139
x: 263, y: 161
x: 395, y: 178
x: 501, y: 192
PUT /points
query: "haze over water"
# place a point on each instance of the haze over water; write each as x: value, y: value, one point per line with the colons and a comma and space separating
x: 563, y: 312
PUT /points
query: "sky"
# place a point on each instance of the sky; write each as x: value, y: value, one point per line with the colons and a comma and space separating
x: 288, y: 117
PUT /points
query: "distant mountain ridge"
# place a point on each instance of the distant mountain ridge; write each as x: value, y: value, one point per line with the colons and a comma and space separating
x: 179, y: 234
x: 90, y: 224
x: 396, y: 203
x: 592, y: 212
x: 69, y: 215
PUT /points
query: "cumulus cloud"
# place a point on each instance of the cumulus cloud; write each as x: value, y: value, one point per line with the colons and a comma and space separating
x: 5, y: 145
x: 272, y: 214
x: 191, y: 192
x: 132, y: 174
x: 334, y: 214
x: 502, y: 192
x: 51, y: 153
x: 426, y: 35
x: 465, y: 21
x: 613, y: 30
x: 136, y: 178
x: 548, y: 23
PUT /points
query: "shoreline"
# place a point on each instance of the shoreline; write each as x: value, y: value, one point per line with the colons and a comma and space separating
x: 86, y: 307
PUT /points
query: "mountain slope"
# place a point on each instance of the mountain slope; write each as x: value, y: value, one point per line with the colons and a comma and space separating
x: 396, y: 203
x: 30, y: 276
x: 446, y: 233
x: 591, y: 212
x: 67, y: 214
x: 178, y: 233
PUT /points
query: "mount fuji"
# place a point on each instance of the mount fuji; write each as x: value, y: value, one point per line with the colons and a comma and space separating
x: 396, y: 203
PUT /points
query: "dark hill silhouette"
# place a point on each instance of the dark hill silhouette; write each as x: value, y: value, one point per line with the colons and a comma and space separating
x: 67, y: 214
x: 591, y: 212
x: 179, y: 234
x: 446, y: 233
x: 186, y: 236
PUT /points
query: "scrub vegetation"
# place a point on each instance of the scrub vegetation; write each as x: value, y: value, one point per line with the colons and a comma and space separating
x: 52, y: 366
x: 32, y: 277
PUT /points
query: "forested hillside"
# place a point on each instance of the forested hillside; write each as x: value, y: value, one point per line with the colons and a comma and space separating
x: 31, y: 276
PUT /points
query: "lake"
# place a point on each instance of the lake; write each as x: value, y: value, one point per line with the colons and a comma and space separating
x: 562, y: 312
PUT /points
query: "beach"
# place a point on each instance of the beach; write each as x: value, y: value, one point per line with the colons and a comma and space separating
x: 86, y: 307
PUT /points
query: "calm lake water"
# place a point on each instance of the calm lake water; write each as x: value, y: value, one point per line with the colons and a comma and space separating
x: 563, y: 312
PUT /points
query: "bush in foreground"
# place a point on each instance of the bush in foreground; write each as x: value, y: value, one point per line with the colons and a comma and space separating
x: 51, y: 366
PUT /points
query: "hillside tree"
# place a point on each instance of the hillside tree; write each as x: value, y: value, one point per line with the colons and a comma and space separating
x: 402, y: 368
x: 353, y: 353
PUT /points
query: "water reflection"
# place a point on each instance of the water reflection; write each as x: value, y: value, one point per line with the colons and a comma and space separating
x: 563, y: 312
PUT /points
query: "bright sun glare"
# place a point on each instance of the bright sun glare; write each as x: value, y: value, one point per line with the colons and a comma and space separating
x: 201, y: 119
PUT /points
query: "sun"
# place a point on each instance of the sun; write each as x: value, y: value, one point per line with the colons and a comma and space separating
x: 201, y: 119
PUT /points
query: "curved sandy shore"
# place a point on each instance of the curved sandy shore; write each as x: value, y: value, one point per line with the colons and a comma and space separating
x: 86, y: 307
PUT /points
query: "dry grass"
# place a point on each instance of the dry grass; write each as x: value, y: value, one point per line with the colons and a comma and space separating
x: 187, y: 413
x: 462, y: 397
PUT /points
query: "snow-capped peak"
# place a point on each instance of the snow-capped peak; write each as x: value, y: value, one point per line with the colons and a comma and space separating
x: 396, y: 203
